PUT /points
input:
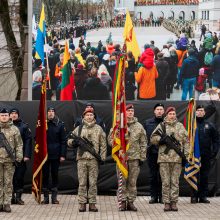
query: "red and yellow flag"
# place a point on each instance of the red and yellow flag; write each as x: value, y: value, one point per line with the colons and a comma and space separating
x: 130, y: 37
x: 67, y: 84
x: 40, y: 150
x: 120, y: 130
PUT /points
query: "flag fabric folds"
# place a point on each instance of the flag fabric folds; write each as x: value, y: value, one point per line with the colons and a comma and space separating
x: 41, y: 33
x: 130, y: 37
x: 67, y: 84
x: 120, y: 130
x: 193, y: 165
x: 40, y: 150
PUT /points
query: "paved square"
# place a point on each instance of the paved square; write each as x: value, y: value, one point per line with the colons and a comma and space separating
x: 68, y: 209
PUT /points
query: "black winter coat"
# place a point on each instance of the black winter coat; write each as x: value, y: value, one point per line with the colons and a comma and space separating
x: 208, y: 138
x: 149, y: 126
x: 56, y: 139
x: 26, y: 137
x: 94, y: 89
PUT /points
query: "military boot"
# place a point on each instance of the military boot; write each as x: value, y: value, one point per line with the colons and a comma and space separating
x: 153, y: 200
x: 13, y: 199
x: 18, y: 199
x: 167, y: 207
x: 204, y: 200
x: 7, y: 208
x: 82, y: 207
x: 46, y: 197
x: 1, y: 208
x: 174, y: 207
x: 131, y: 207
x: 123, y: 206
x: 194, y: 200
x: 92, y: 207
x: 54, y: 196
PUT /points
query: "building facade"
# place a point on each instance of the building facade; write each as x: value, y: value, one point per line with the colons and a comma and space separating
x: 204, y: 11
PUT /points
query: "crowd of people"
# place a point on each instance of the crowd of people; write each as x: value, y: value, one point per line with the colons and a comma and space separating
x: 89, y: 138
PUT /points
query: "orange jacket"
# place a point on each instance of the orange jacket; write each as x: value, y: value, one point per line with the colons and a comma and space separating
x: 180, y: 55
x: 146, y: 80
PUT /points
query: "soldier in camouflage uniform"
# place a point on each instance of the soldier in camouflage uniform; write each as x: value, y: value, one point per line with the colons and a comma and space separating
x: 13, y: 136
x: 171, y: 163
x: 136, y: 156
x: 87, y: 164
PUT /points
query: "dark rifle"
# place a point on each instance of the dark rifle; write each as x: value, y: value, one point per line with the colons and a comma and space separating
x: 171, y: 143
x: 4, y: 143
x: 85, y: 145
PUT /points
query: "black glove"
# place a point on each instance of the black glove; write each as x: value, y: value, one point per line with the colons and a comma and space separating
x: 75, y: 143
x: 162, y: 139
x: 184, y: 161
x: 141, y: 163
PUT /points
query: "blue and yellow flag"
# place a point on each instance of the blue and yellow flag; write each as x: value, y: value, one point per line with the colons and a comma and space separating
x: 41, y: 33
x: 193, y: 165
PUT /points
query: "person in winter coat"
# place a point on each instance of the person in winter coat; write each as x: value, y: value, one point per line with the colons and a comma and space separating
x: 163, y: 72
x: 147, y: 57
x: 208, y: 42
x: 94, y: 89
x: 56, y: 147
x: 216, y: 69
x: 103, y: 74
x: 188, y: 74
x: 18, y: 178
x: 129, y: 77
x: 146, y: 79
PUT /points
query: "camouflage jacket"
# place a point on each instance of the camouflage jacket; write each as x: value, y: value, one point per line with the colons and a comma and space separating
x: 96, y: 135
x: 137, y: 140
x: 13, y: 136
x: 180, y: 133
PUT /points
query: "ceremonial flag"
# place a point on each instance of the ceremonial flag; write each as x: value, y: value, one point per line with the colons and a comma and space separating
x: 130, y: 37
x: 40, y: 150
x: 120, y: 130
x: 193, y: 166
x: 67, y: 84
x: 34, y: 28
x: 41, y: 33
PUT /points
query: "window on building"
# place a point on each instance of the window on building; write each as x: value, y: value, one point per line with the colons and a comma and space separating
x: 207, y: 15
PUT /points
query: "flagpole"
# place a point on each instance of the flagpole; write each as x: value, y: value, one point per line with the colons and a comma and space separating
x: 48, y: 70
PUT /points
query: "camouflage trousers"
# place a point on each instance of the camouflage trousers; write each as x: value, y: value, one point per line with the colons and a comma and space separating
x: 170, y: 174
x: 87, y: 174
x: 6, y: 176
x: 129, y: 188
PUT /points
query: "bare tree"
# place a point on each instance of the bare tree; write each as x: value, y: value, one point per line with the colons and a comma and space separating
x: 16, y: 51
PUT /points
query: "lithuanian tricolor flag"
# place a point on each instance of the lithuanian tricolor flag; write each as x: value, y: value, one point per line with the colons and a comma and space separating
x: 67, y: 84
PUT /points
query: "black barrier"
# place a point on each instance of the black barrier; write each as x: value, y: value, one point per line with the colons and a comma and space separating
x: 107, y: 182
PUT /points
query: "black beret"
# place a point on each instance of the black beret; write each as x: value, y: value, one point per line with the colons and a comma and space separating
x: 90, y: 104
x: 200, y: 106
x: 50, y: 108
x: 157, y: 105
x: 14, y: 110
x: 4, y: 110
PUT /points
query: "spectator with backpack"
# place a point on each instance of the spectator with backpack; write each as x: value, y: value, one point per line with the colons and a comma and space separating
x: 188, y: 74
